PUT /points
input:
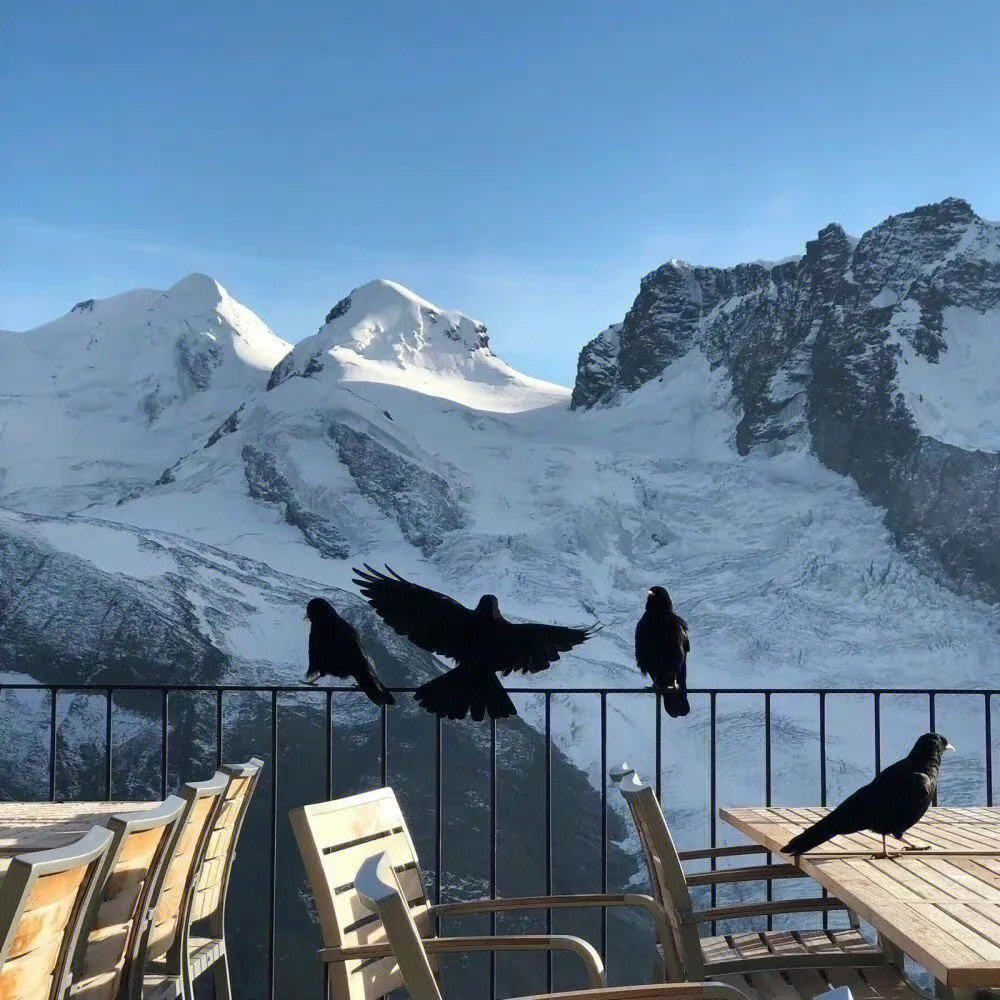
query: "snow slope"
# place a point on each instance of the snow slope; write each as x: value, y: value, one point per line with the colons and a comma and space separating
x: 97, y: 403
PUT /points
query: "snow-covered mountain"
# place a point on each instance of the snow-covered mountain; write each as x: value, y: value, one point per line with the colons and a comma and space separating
x: 804, y: 453
x: 97, y: 403
x: 877, y: 354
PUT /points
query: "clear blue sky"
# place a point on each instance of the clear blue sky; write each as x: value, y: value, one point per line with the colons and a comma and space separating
x: 526, y: 163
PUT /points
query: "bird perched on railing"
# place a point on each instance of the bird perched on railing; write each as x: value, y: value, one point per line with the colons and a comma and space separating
x: 889, y: 805
x: 480, y: 641
x: 661, y: 651
x: 335, y: 651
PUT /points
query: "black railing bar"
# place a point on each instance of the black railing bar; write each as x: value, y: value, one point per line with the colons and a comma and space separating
x: 218, y: 729
x: 439, y: 826
x: 107, y: 746
x: 604, y: 824
x: 164, y: 709
x: 493, y: 851
x: 989, y: 752
x: 52, y: 745
x: 822, y: 779
x: 548, y: 832
x: 328, y: 729
x: 712, y: 789
x: 385, y: 746
x: 877, y: 735
x: 767, y: 792
x: 659, y: 751
x: 931, y: 725
x: 274, y: 844
x: 305, y: 688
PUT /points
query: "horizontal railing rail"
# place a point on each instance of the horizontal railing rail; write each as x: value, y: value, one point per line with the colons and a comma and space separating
x: 329, y: 698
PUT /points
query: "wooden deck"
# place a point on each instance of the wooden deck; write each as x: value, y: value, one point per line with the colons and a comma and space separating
x: 941, y: 906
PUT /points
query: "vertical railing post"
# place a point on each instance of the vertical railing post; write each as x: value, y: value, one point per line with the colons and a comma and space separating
x: 107, y: 745
x: 767, y: 790
x: 659, y: 748
x: 438, y: 824
x: 712, y: 787
x: 822, y: 775
x: 989, y: 751
x: 878, y: 732
x: 932, y: 725
x: 52, y: 744
x: 164, y: 708
x: 385, y: 746
x: 328, y: 729
x: 604, y: 823
x: 493, y: 851
x: 218, y: 728
x: 274, y: 843
x: 548, y: 832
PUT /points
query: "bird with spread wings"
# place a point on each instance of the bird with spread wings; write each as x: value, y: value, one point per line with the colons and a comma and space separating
x: 481, y: 642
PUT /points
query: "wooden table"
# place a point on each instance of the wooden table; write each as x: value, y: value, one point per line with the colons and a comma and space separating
x: 37, y: 826
x: 941, y: 907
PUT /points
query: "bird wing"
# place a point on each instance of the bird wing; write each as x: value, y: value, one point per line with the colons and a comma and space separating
x: 529, y: 647
x: 433, y: 621
x: 685, y: 641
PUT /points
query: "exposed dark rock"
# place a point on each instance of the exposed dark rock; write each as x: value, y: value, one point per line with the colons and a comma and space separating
x: 338, y: 310
x: 266, y: 482
x: 87, y: 305
x: 282, y: 370
x: 199, y: 357
x: 811, y: 348
x: 228, y: 426
x: 420, y: 502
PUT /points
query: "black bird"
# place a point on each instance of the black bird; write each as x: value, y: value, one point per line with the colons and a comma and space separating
x: 890, y: 804
x: 481, y: 642
x: 335, y: 651
x: 661, y: 651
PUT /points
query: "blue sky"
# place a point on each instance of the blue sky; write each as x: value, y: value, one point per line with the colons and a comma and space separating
x: 525, y: 163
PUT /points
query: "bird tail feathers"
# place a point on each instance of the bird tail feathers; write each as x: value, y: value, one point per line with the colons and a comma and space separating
x: 820, y: 832
x: 375, y: 689
x: 461, y: 692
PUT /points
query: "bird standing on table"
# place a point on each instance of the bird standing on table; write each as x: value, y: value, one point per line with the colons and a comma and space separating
x: 480, y: 641
x: 661, y: 651
x: 890, y: 804
x: 335, y: 651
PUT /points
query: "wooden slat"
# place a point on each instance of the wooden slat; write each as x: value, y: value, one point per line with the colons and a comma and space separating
x: 937, y: 906
x: 341, y: 866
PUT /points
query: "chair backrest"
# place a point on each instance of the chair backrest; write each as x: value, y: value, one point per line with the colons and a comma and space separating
x: 334, y: 838
x: 666, y: 874
x: 43, y: 901
x: 378, y: 889
x: 117, y: 911
x: 209, y: 900
x: 172, y: 894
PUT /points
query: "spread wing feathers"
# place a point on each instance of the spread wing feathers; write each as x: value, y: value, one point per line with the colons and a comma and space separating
x: 530, y: 647
x: 433, y: 621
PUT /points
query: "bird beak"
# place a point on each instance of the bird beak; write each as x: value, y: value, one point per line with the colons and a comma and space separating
x: 948, y: 746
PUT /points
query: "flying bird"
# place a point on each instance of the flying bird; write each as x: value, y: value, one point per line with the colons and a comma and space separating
x: 480, y: 641
x: 890, y: 804
x: 335, y: 651
x: 661, y: 651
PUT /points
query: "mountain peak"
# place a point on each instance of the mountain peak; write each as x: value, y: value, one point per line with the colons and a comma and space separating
x: 197, y: 288
x: 383, y: 332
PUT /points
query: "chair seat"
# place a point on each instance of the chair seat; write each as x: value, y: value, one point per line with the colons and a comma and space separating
x: 205, y: 952
x: 734, y: 947
x: 159, y: 987
x: 880, y: 982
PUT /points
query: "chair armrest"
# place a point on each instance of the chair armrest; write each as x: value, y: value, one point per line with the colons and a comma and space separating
x: 654, y: 991
x: 757, y: 909
x: 721, y: 852
x: 644, y: 902
x: 757, y: 873
x: 485, y: 942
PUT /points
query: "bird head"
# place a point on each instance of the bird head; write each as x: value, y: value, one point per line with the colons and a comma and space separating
x: 488, y: 606
x: 931, y: 747
x: 318, y: 609
x: 657, y: 597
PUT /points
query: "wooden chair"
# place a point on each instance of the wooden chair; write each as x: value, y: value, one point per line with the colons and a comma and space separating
x: 44, y: 898
x: 335, y: 837
x: 378, y: 890
x: 157, y: 973
x: 772, y: 965
x: 116, y: 916
x: 207, y: 949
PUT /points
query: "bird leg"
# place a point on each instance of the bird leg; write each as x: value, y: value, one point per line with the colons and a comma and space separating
x: 885, y: 852
x: 910, y: 846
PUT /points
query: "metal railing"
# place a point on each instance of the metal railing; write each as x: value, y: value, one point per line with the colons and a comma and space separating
x: 328, y: 702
